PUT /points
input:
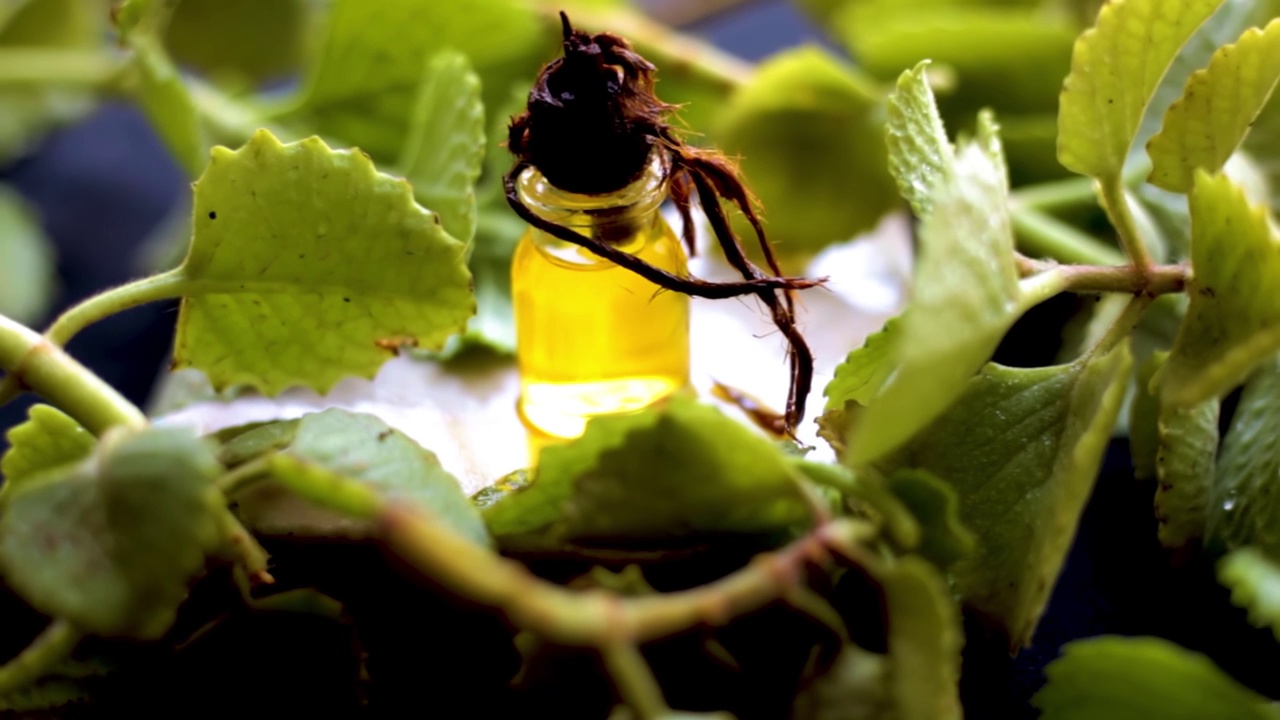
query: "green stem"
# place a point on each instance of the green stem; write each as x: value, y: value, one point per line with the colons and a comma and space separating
x: 241, y: 477
x: 1042, y: 235
x: 50, y: 647
x: 229, y: 120
x: 31, y: 361
x: 164, y: 286
x: 1158, y: 280
x: 1123, y: 327
x: 1117, y: 207
x: 38, y: 66
x: 632, y: 676
x: 1056, y: 195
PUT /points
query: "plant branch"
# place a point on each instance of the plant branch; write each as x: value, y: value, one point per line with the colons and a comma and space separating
x: 30, y: 361
x: 634, y: 680
x: 1056, y: 195
x: 1157, y: 280
x: 39, y: 66
x: 1117, y: 207
x: 1044, y: 235
x: 53, y: 645
x: 105, y: 304
x: 598, y: 618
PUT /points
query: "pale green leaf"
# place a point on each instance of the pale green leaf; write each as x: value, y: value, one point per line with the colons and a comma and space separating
x: 239, y: 41
x: 1218, y: 107
x: 925, y: 638
x: 1115, y: 70
x: 854, y: 688
x: 1184, y: 471
x: 369, y: 69
x: 31, y: 110
x: 444, y: 150
x: 1233, y: 321
x: 1144, y: 414
x: 667, y: 472
x: 965, y: 297
x: 920, y: 155
x: 112, y: 544
x: 864, y: 372
x: 1254, y: 581
x: 1022, y: 475
x: 1115, y: 678
x: 1244, y: 508
x: 48, y: 439
x: 307, y: 266
x: 26, y: 260
x: 334, y: 446
x: 158, y: 88
x: 808, y: 129
x: 943, y: 538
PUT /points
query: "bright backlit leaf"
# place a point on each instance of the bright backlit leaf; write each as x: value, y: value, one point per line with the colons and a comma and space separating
x: 1254, y: 581
x: 1217, y: 109
x: 1115, y: 70
x: 1022, y: 475
x: 26, y: 261
x: 308, y: 265
x: 1115, y: 678
x: 112, y: 544
x: 808, y: 129
x: 1184, y: 471
x: 667, y: 472
x: 443, y: 153
x: 333, y: 446
x: 1245, y: 505
x: 366, y: 79
x: 1233, y: 322
x: 864, y: 372
x: 32, y: 109
x: 48, y: 439
x: 920, y: 155
x: 964, y: 298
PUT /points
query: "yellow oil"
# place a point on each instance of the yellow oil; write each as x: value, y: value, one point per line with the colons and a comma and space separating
x: 592, y: 338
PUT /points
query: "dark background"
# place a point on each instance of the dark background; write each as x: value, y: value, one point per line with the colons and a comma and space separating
x: 104, y: 184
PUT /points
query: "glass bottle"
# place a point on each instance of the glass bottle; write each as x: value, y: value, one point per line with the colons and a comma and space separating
x: 593, y: 338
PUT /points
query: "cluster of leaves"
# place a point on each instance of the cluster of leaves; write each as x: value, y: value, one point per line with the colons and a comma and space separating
x: 960, y: 482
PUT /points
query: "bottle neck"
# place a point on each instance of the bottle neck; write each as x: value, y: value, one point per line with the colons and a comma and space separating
x: 621, y: 218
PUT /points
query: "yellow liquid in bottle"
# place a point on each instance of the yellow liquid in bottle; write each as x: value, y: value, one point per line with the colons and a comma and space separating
x: 592, y: 338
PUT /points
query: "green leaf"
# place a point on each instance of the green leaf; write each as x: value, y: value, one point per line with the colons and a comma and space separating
x: 854, y: 688
x: 944, y: 539
x: 667, y: 472
x: 809, y: 131
x: 241, y: 41
x: 1184, y: 470
x: 1233, y: 321
x: 864, y: 372
x: 1244, y: 508
x: 1115, y: 70
x: 1007, y: 59
x: 1114, y: 678
x: 1217, y: 109
x: 26, y: 260
x: 307, y: 266
x: 1254, y: 581
x: 925, y: 638
x: 112, y: 544
x: 965, y: 297
x: 1022, y: 475
x: 31, y: 110
x: 336, y: 445
x: 48, y: 439
x: 158, y: 88
x: 1144, y: 414
x: 920, y: 155
x: 443, y: 152
x: 369, y: 69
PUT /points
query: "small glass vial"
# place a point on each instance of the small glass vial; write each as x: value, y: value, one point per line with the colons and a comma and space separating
x: 593, y: 338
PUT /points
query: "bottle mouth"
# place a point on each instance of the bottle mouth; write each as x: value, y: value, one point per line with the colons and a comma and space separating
x: 607, y: 213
